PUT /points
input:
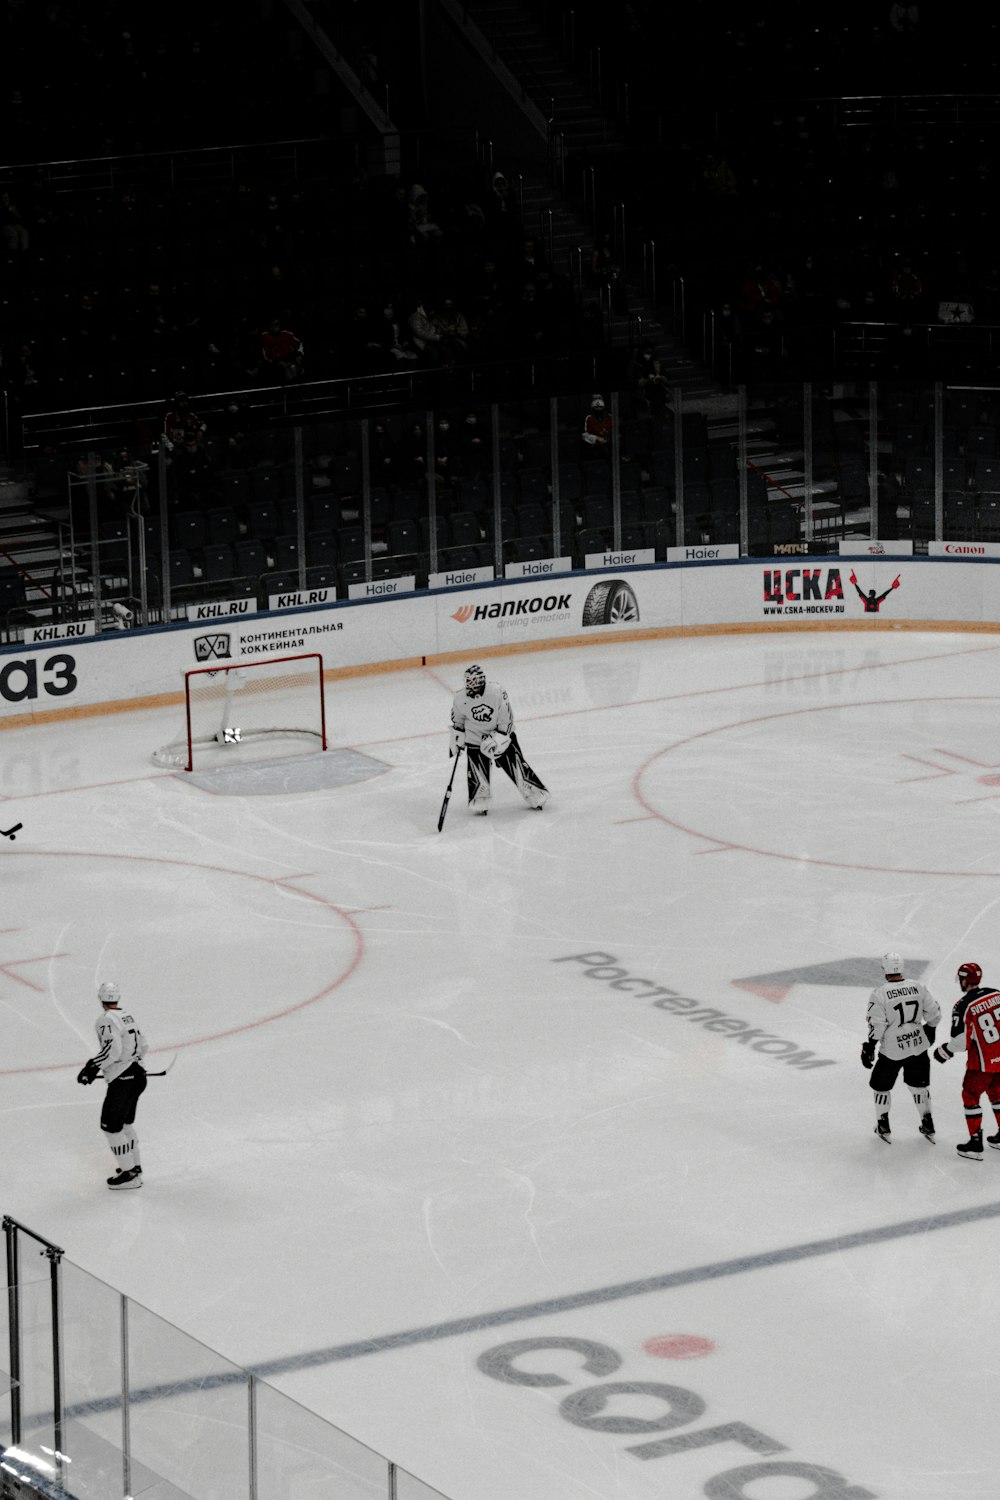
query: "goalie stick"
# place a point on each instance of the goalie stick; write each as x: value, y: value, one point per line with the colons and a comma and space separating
x: 447, y: 795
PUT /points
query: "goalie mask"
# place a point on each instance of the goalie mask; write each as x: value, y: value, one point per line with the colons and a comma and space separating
x: 109, y: 993
x: 475, y: 681
x: 968, y: 976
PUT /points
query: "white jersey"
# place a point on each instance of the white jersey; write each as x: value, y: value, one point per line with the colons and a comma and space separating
x: 122, y: 1043
x: 897, y: 1013
x: 489, y: 711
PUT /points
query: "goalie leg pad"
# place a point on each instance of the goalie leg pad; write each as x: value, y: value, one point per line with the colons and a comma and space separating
x: 477, y: 771
x: 531, y: 787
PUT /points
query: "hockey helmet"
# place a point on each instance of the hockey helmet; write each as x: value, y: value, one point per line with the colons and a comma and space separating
x: 475, y: 681
x: 968, y: 976
x: 891, y: 964
x: 109, y: 993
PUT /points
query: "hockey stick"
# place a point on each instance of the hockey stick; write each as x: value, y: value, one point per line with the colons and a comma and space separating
x: 447, y: 795
x: 164, y: 1071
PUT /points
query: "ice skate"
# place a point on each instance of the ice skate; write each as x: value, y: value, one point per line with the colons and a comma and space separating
x: 131, y: 1179
x: 927, y: 1128
x: 882, y: 1129
x: 994, y: 1141
x: 972, y: 1149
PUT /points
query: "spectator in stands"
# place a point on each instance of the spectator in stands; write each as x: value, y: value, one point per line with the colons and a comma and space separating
x: 759, y: 290
x: 182, y: 425
x: 528, y: 264
x: 282, y: 351
x: 907, y: 287
x: 453, y: 327
x: 361, y: 349
x: 597, y: 429
x: 396, y: 346
x: 649, y: 382
x: 427, y: 337
x: 502, y: 222
x: 446, y: 451
x: 12, y: 224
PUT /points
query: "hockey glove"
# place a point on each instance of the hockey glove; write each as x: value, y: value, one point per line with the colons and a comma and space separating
x: 456, y: 743
x: 494, y: 743
x: 88, y: 1072
x: 930, y: 1032
x: 942, y: 1053
x: 868, y: 1055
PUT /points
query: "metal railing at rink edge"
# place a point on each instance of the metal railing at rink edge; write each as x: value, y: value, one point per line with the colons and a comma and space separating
x: 104, y: 1397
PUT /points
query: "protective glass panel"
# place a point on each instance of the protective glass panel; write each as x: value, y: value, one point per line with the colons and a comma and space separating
x: 301, y: 1457
x: 188, y: 1411
x: 409, y: 1488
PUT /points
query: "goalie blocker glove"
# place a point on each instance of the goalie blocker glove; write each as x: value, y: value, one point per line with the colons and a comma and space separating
x: 457, y: 742
x: 89, y: 1072
x: 867, y: 1054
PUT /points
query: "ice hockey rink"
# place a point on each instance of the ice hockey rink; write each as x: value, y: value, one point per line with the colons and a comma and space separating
x: 536, y: 1153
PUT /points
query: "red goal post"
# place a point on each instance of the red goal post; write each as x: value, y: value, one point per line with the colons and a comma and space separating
x: 274, y: 703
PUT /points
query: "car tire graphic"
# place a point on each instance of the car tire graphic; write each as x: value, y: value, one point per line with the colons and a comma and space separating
x: 611, y: 602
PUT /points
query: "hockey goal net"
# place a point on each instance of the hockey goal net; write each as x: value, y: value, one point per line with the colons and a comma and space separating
x: 253, y: 710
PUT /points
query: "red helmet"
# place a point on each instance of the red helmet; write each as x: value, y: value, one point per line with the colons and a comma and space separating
x: 969, y: 975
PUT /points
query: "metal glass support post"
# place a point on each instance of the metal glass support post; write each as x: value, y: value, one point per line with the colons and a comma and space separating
x: 366, y: 502
x: 161, y: 480
x: 432, y: 509
x: 742, y: 464
x: 495, y: 462
x: 938, y: 461
x: 619, y: 221
x: 807, y: 460
x: 54, y: 1257
x: 252, y: 1435
x: 554, y: 465
x: 616, y: 475
x: 126, y: 1403
x: 678, y: 468
x: 300, y: 506
x: 95, y: 545
x: 14, y: 1328
x: 873, y: 458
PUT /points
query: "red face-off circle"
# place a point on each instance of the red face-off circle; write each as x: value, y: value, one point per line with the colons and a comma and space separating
x: 678, y: 1346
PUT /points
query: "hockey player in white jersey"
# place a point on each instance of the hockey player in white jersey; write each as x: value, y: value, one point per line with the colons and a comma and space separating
x: 482, y: 722
x: 119, y: 1062
x: 902, y: 1018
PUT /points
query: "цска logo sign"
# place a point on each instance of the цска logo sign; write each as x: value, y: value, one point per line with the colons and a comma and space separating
x: 208, y: 646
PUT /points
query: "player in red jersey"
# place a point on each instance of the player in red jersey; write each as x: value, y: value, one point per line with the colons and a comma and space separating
x: 975, y: 1028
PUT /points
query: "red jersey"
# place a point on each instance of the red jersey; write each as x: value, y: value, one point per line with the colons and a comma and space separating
x: 975, y: 1025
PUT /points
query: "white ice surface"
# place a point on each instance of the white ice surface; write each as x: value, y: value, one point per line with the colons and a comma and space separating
x: 394, y: 1107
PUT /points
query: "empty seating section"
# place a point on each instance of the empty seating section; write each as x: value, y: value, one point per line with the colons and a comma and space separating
x: 240, y: 523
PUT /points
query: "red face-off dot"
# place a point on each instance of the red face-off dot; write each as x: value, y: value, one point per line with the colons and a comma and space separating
x: 678, y: 1346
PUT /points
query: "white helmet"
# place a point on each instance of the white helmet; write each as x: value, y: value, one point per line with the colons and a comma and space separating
x: 109, y: 993
x: 891, y: 964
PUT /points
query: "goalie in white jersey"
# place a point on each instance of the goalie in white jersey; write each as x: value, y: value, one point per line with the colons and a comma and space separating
x: 482, y: 722
x: 119, y: 1062
x: 902, y: 1018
